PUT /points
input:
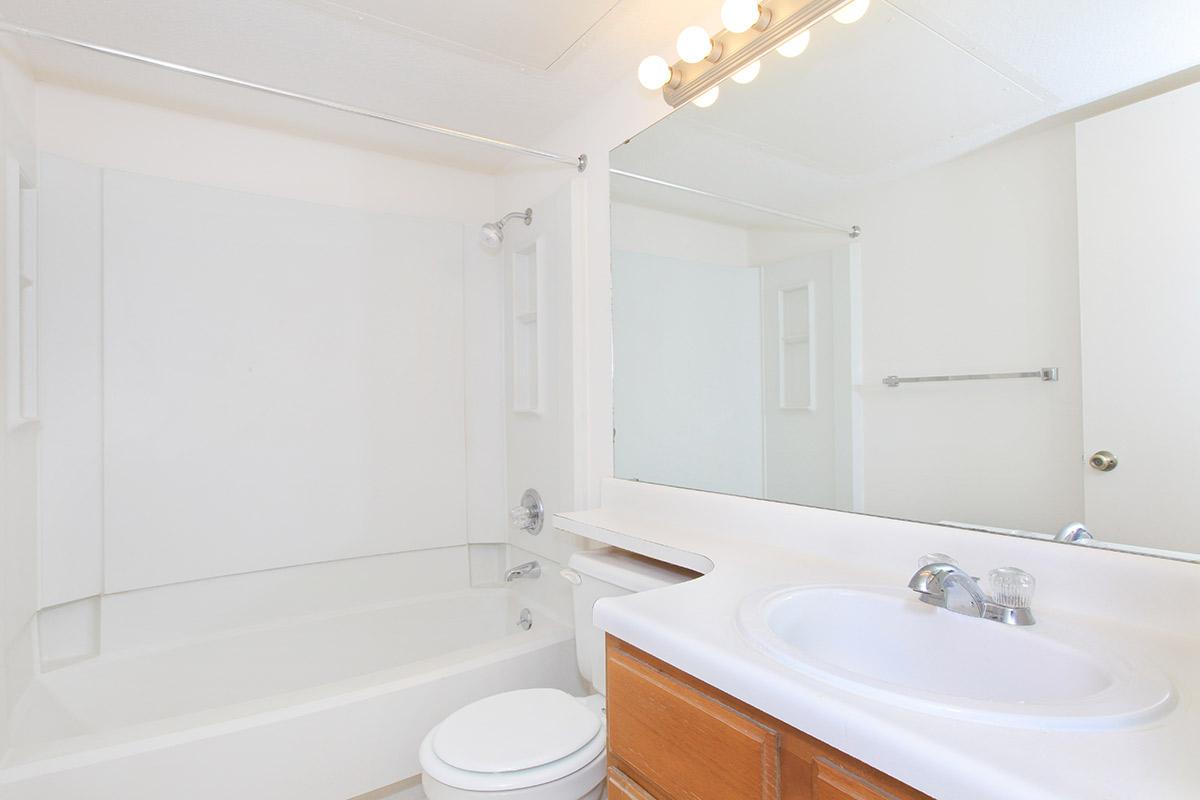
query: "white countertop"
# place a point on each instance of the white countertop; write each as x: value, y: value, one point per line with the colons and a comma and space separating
x: 692, y: 626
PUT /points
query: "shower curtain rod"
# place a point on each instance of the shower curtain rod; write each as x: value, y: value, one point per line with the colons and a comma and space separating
x: 853, y: 231
x: 579, y: 162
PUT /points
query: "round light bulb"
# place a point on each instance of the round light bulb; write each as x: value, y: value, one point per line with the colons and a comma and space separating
x: 693, y: 44
x: 708, y: 98
x: 853, y: 12
x: 795, y: 45
x: 747, y: 73
x: 654, y: 72
x: 739, y: 16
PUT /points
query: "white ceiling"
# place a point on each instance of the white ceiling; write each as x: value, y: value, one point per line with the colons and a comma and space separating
x: 509, y: 69
x: 914, y: 83
x: 529, y: 33
x: 828, y: 107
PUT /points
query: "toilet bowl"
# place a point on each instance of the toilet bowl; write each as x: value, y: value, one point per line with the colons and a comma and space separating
x: 531, y: 744
x: 542, y: 744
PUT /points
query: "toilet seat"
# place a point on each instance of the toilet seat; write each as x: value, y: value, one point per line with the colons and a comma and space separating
x: 515, y: 740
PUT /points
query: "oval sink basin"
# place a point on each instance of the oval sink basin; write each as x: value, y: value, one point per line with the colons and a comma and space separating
x: 887, y: 645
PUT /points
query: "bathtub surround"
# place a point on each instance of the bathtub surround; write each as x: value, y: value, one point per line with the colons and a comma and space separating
x: 114, y: 588
x: 440, y: 436
x: 292, y: 317
x: 18, y: 443
x: 540, y: 265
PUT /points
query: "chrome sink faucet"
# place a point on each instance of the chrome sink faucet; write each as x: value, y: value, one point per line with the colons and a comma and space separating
x: 941, y: 582
x: 530, y: 569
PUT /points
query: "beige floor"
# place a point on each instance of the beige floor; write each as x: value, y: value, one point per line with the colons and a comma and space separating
x: 404, y: 790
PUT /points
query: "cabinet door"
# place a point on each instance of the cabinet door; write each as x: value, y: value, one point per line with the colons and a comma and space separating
x: 681, y: 743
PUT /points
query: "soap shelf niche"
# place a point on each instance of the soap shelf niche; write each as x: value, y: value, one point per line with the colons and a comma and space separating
x: 527, y: 348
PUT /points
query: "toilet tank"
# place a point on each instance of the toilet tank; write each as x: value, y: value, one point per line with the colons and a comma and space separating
x: 609, y: 573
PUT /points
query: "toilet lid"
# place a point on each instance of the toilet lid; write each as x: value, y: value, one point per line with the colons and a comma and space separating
x: 515, y: 731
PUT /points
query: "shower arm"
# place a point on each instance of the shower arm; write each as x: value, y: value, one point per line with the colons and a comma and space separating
x: 525, y: 215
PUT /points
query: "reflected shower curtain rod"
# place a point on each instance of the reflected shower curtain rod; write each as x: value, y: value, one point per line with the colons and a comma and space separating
x: 853, y: 231
x: 579, y: 162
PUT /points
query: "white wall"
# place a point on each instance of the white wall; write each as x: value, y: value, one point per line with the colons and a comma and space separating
x: 687, y: 360
x: 680, y: 399
x: 971, y: 266
x: 155, y: 141
x: 18, y: 445
x: 362, y: 263
x: 637, y: 229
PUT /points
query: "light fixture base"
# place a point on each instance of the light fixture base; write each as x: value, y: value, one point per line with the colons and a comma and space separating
x: 732, y: 52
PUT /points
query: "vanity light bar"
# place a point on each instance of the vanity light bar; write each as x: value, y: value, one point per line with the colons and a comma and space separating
x: 735, y: 51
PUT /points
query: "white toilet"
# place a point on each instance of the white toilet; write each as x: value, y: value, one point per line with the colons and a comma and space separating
x: 541, y: 744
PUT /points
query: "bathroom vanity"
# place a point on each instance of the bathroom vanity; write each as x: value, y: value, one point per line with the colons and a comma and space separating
x: 672, y: 735
x: 803, y: 663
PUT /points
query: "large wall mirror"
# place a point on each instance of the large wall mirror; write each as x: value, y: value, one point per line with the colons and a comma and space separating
x: 944, y: 265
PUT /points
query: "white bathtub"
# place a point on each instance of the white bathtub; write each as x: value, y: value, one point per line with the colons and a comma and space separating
x: 323, y: 708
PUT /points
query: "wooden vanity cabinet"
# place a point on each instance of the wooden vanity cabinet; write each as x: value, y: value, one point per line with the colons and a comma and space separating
x: 673, y: 737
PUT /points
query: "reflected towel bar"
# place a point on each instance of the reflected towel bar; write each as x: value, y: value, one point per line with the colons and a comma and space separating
x: 1045, y: 374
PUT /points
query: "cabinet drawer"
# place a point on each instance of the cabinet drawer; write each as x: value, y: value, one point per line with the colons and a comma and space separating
x: 832, y: 782
x: 622, y: 787
x: 813, y: 770
x: 683, y: 745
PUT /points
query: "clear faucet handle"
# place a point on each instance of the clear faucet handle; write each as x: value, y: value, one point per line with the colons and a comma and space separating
x: 1011, y: 587
x: 521, y: 517
x: 936, y: 558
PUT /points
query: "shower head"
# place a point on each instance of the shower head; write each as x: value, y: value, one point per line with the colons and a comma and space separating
x: 492, y: 233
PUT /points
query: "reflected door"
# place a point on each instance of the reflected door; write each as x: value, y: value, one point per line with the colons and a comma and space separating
x: 1140, y: 319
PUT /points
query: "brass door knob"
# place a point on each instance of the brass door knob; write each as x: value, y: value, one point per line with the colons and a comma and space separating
x: 1103, y: 461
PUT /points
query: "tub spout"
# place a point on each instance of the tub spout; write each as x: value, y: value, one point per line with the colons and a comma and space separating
x: 530, y: 569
